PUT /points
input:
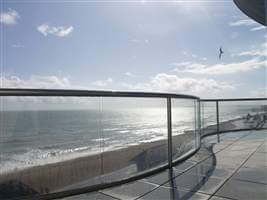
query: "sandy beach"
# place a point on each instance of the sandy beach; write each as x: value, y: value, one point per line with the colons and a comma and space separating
x: 87, y: 169
x: 102, y: 167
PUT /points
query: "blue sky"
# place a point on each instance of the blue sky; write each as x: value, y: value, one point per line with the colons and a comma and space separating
x: 140, y: 46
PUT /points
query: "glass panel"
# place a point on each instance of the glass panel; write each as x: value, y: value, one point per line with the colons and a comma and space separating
x: 209, y: 119
x: 198, y: 122
x: 243, y: 115
x: 183, y: 127
x: 48, y: 144
x: 134, y: 136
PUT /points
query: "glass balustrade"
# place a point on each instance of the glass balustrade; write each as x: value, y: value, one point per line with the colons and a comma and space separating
x: 184, y: 127
x: 59, y: 143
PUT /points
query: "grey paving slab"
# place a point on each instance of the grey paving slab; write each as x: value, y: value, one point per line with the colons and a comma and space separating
x: 249, y: 144
x: 184, y: 166
x: 231, y: 161
x: 218, y: 198
x: 206, y: 151
x: 262, y: 149
x: 212, y: 171
x: 254, y: 137
x: 199, y: 157
x: 197, y: 183
x: 243, y: 190
x: 91, y: 196
x: 257, y: 160
x: 230, y: 153
x: 163, y: 193
x: 242, y: 148
x: 129, y: 191
x: 259, y: 156
x: 162, y: 177
x: 220, y: 163
x: 219, y: 147
x: 225, y: 142
x: 257, y: 175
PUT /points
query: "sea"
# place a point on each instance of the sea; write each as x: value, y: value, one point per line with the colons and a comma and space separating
x: 38, y: 137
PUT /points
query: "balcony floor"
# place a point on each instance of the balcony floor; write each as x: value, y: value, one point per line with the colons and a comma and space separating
x: 235, y: 168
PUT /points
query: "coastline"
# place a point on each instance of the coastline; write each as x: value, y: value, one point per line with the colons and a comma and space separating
x: 102, y: 167
x: 55, y: 176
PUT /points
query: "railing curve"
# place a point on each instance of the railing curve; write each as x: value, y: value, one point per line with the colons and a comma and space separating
x: 256, y: 108
x: 169, y: 97
x: 259, y: 105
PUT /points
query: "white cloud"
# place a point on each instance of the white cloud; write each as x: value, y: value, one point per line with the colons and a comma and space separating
x: 172, y: 83
x: 257, y: 60
x: 234, y: 35
x: 260, y: 52
x: 252, y: 53
x: 243, y: 22
x: 260, y: 92
x: 59, y: 31
x: 188, y: 65
x: 181, y: 64
x: 258, y: 28
x: 218, y: 69
x: 140, y: 41
x: 17, y: 46
x: 10, y: 17
x: 102, y: 83
x: 185, y: 53
x: 135, y: 40
x: 40, y: 82
x: 195, y: 56
x: 247, y: 22
x: 130, y: 74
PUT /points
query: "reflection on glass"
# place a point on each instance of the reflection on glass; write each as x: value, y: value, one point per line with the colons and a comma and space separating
x: 234, y: 115
x: 243, y: 115
x: 183, y: 126
x: 134, y: 136
x: 48, y: 144
x: 209, y: 120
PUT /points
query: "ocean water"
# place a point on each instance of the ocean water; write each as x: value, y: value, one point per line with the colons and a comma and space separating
x: 29, y: 138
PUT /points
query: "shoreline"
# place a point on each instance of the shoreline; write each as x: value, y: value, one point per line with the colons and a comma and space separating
x: 104, y: 166
x: 57, y: 176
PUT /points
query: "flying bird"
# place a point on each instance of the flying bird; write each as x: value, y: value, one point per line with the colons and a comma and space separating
x: 221, y: 52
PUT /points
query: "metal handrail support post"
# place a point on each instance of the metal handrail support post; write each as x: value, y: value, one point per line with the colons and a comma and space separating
x: 169, y: 128
x: 199, y: 122
x: 202, y: 118
x: 218, y: 121
x: 195, y: 124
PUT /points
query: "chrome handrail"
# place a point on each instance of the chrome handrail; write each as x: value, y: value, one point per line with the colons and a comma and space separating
x: 97, y: 93
x: 236, y: 99
x: 89, y: 93
x: 217, y: 101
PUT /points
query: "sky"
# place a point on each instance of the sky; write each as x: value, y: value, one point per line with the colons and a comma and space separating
x: 133, y: 46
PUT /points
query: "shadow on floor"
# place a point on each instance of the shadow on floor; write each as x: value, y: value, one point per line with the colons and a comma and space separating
x: 15, y: 190
x: 175, y: 194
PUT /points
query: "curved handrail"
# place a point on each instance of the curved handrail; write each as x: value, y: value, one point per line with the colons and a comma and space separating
x: 89, y: 93
x: 237, y: 99
x: 98, y: 93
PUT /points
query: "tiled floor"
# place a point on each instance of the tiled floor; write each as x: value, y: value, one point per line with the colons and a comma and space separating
x: 235, y: 168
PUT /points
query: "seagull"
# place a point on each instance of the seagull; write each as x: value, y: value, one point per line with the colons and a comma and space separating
x: 221, y: 52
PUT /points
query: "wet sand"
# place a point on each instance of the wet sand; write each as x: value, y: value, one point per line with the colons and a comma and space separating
x: 59, y: 176
x: 106, y: 166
